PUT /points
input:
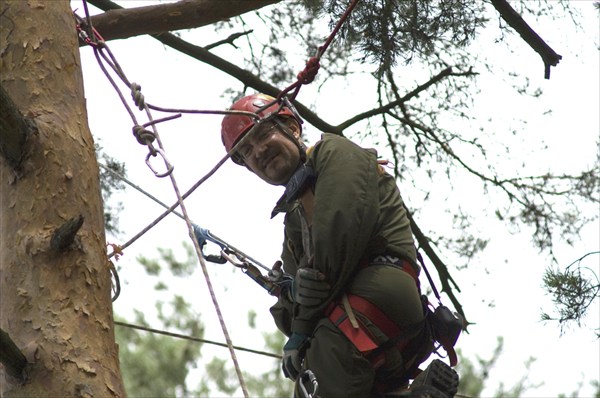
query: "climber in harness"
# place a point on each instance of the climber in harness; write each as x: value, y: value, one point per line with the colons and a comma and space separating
x: 354, y: 314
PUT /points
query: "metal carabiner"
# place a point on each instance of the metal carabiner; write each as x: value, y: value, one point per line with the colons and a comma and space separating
x: 309, y: 376
x: 203, y: 236
x: 167, y: 164
x: 234, y: 259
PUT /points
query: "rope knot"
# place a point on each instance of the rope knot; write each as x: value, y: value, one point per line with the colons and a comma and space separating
x: 138, y: 97
x: 310, y: 71
x: 143, y: 136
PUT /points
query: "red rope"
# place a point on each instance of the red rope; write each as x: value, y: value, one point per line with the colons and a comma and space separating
x: 308, y: 74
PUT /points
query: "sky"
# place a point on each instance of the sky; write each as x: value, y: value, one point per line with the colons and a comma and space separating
x: 501, y: 289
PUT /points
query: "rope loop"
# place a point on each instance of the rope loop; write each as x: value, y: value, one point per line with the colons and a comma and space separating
x: 310, y: 71
x: 142, y: 135
x: 138, y: 97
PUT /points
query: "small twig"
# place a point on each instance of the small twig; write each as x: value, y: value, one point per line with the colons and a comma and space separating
x: 11, y: 357
x: 229, y: 40
x: 65, y: 234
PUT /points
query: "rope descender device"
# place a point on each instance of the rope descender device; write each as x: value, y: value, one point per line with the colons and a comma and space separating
x: 272, y: 283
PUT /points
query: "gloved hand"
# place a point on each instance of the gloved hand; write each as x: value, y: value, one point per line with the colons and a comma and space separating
x: 283, y: 282
x: 310, y: 288
x: 293, y: 353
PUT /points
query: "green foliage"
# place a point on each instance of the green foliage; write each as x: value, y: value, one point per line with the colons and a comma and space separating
x: 474, y: 374
x: 269, y: 384
x: 154, y: 365
x: 384, y: 31
x: 573, y: 291
x: 110, y: 184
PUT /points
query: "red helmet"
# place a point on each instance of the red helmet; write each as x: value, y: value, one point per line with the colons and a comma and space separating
x: 234, y: 126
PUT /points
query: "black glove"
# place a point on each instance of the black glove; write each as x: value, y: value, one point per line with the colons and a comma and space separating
x: 293, y: 353
x: 310, y: 288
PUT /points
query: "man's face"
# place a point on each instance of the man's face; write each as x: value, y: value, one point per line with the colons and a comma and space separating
x: 270, y: 153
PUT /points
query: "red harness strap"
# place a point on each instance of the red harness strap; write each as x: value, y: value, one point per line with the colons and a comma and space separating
x: 361, y: 337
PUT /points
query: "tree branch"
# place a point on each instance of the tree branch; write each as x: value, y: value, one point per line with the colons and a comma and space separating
x: 247, y: 78
x: 445, y: 277
x: 373, y: 112
x: 121, y: 23
x: 11, y: 357
x: 14, y: 130
x: 549, y: 56
x: 64, y: 235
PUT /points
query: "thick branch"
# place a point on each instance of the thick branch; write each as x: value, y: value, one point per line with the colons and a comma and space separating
x: 14, y: 130
x: 549, y: 56
x: 121, y: 23
x: 242, y: 75
x: 11, y: 357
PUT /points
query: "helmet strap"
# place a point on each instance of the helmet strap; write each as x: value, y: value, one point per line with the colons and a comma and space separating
x: 288, y: 132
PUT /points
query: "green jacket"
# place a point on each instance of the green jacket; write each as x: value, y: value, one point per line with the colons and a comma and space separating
x: 357, y: 213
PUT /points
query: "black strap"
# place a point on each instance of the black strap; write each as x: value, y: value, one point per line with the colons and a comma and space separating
x: 435, y: 291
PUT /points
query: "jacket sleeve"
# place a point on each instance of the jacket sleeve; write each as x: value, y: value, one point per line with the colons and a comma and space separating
x: 344, y: 216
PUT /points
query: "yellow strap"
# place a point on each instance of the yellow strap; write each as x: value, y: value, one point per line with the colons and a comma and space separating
x: 349, y: 311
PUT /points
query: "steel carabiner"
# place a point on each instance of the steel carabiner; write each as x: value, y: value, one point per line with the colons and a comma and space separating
x: 308, y: 375
x: 167, y: 163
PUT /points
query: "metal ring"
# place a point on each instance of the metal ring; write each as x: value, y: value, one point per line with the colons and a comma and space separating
x: 167, y: 164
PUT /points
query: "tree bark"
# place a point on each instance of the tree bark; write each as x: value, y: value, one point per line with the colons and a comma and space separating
x: 160, y: 18
x: 55, y: 305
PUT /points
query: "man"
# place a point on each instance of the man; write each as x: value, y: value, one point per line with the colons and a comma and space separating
x: 353, y: 315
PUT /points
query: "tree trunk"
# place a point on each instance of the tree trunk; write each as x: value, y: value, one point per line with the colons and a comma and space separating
x: 55, y: 298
